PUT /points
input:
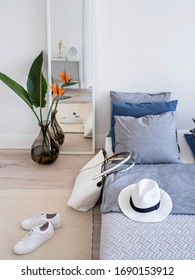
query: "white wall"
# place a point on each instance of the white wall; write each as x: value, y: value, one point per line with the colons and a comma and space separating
x: 145, y: 45
x: 23, y: 36
x: 140, y: 45
x: 67, y: 25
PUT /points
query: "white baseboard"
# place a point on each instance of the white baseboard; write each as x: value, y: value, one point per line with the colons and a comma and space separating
x: 16, y: 141
x: 26, y: 141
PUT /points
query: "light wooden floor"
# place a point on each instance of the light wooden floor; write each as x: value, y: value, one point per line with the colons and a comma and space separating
x: 18, y: 171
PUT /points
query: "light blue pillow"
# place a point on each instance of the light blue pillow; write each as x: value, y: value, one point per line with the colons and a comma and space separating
x: 138, y: 110
x: 139, y: 97
x: 150, y: 139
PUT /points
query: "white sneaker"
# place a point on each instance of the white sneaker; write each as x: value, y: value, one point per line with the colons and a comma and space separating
x: 34, y: 239
x: 69, y: 115
x: 40, y: 219
x: 72, y: 120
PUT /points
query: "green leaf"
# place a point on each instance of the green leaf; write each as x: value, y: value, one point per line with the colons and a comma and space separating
x: 61, y: 97
x: 52, y: 79
x: 36, y: 83
x: 16, y: 88
x: 69, y: 84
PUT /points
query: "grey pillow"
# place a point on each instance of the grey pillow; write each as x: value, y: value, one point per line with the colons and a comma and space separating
x: 150, y: 139
x: 139, y: 97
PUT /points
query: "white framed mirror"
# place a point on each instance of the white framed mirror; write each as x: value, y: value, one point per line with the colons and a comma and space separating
x: 70, y: 48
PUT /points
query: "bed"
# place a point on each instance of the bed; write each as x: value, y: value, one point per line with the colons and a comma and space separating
x: 174, y: 237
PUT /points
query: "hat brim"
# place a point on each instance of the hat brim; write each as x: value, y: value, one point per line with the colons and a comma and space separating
x: 155, y: 216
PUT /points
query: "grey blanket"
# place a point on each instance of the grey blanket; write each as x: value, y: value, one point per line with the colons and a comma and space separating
x: 178, y: 180
x: 125, y: 239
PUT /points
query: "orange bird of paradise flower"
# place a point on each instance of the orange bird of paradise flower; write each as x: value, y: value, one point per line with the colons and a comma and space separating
x: 66, y: 77
x: 57, y: 90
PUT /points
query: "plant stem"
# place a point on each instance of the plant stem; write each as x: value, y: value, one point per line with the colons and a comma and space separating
x: 36, y: 116
x: 41, y: 117
x: 56, y: 105
x: 50, y: 109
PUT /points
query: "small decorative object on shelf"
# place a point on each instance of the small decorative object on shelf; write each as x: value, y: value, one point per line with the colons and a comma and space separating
x: 45, y: 149
x: 35, y: 97
x: 193, y: 129
x: 72, y: 51
x: 59, y: 48
x: 56, y: 130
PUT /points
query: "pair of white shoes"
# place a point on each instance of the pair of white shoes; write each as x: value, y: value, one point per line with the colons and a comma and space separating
x: 72, y: 118
x: 41, y: 228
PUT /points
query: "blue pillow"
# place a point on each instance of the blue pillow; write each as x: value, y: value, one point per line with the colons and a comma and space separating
x: 138, y: 110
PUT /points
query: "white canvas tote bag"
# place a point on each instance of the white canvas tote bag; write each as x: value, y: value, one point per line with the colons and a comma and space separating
x: 88, y: 184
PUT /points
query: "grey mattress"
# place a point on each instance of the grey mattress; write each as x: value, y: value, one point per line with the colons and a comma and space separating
x: 124, y: 239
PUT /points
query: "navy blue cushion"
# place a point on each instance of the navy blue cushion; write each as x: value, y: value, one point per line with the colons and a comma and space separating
x: 138, y: 110
x: 191, y: 142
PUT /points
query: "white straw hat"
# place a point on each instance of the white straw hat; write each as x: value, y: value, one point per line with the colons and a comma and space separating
x: 145, y: 202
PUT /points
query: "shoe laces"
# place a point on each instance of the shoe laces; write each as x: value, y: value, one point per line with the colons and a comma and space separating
x: 36, y: 218
x: 27, y: 238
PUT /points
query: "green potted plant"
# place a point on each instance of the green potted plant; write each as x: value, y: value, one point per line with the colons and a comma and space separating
x: 45, y: 149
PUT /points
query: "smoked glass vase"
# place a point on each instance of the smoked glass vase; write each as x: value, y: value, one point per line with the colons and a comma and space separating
x: 44, y: 150
x: 56, y: 130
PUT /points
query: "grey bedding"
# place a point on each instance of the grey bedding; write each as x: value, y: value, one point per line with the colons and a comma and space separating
x: 124, y: 239
x: 173, y: 238
x: 178, y: 180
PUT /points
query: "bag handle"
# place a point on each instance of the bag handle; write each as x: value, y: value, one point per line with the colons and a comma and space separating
x: 123, y: 158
